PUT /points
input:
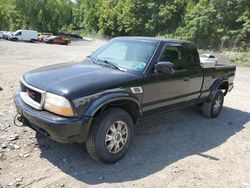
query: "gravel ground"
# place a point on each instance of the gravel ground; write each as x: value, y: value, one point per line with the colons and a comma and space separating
x: 180, y: 149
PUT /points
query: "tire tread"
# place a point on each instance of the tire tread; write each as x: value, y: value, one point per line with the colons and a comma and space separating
x: 90, y: 142
x: 207, y: 105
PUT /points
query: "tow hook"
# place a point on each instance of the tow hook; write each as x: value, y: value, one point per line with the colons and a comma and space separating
x: 19, y: 120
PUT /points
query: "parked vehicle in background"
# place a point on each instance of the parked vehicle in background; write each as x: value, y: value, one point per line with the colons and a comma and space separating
x: 56, y: 40
x: 24, y: 35
x: 42, y: 36
x: 75, y: 36
x: 68, y: 34
x: 1, y: 34
x: 100, y: 100
x: 208, y: 60
x: 4, y: 34
x: 7, y: 35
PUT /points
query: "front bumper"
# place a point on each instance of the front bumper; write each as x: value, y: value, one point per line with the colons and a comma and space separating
x: 58, y: 128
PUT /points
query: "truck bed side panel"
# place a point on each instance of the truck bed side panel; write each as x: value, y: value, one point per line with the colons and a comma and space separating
x: 218, y: 73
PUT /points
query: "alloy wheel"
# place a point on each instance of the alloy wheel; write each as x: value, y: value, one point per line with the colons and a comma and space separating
x: 116, y: 137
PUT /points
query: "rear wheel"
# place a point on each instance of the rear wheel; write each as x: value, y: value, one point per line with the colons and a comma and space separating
x: 212, y: 108
x: 110, y: 135
x: 50, y: 42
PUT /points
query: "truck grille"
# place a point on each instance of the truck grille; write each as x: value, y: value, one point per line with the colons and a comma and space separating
x: 32, y: 96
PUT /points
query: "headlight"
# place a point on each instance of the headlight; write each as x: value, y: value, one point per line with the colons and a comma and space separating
x: 58, y: 105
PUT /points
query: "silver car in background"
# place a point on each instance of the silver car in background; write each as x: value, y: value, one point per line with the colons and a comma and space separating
x: 208, y: 60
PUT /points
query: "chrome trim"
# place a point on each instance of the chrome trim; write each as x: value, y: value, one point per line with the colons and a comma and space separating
x: 31, y: 87
x: 28, y: 100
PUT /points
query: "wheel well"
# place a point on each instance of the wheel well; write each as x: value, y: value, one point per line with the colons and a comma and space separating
x: 224, y: 87
x: 131, y: 107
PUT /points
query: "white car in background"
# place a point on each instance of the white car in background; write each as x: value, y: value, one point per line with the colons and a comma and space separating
x: 208, y: 60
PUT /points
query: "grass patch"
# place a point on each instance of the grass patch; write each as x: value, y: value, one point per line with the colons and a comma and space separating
x: 238, y: 58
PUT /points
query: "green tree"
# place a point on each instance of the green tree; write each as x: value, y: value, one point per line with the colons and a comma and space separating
x: 45, y: 15
x: 208, y: 23
x: 233, y: 16
x: 200, y: 25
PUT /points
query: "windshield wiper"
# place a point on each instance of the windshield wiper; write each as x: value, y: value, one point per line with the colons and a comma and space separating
x: 94, y: 60
x: 111, y: 64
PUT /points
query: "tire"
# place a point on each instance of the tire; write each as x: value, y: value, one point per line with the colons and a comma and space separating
x: 15, y: 39
x: 103, y: 147
x: 50, y: 42
x: 212, y: 108
x: 40, y: 135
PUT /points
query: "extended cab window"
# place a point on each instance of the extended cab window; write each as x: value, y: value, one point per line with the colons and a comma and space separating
x: 193, y: 56
x: 175, y: 55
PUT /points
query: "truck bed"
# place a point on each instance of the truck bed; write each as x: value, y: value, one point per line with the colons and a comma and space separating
x: 218, y: 73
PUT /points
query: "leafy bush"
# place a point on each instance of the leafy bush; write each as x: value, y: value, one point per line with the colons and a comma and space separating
x: 238, y: 58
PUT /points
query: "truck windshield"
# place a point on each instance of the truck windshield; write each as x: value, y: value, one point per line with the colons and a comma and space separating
x: 128, y: 55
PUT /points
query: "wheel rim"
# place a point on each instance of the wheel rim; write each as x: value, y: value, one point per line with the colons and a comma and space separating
x: 217, y: 104
x: 116, y: 137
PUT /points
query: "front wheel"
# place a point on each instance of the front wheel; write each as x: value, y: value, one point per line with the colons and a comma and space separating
x: 212, y: 108
x: 110, y: 135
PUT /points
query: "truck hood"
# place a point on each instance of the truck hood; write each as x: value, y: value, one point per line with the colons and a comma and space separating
x: 75, y: 80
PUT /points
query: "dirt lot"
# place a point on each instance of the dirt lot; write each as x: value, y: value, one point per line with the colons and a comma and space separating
x: 180, y: 149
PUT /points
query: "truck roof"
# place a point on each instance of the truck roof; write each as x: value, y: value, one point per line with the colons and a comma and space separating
x: 139, y: 38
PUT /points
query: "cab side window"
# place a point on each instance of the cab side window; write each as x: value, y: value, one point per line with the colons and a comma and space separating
x: 19, y: 33
x: 175, y: 55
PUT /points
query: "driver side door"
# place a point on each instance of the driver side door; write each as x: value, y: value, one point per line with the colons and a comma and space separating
x: 164, y: 92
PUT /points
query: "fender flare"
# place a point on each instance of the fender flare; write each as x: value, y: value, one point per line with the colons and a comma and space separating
x: 108, y: 98
x: 216, y: 85
x: 100, y: 102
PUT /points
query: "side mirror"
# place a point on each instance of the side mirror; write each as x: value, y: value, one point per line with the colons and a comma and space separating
x: 164, y: 67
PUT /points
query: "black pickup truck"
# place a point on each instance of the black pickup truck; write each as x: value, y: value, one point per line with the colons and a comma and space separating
x: 100, y: 100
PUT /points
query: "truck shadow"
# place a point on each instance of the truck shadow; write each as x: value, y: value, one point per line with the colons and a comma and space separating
x: 159, y: 142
